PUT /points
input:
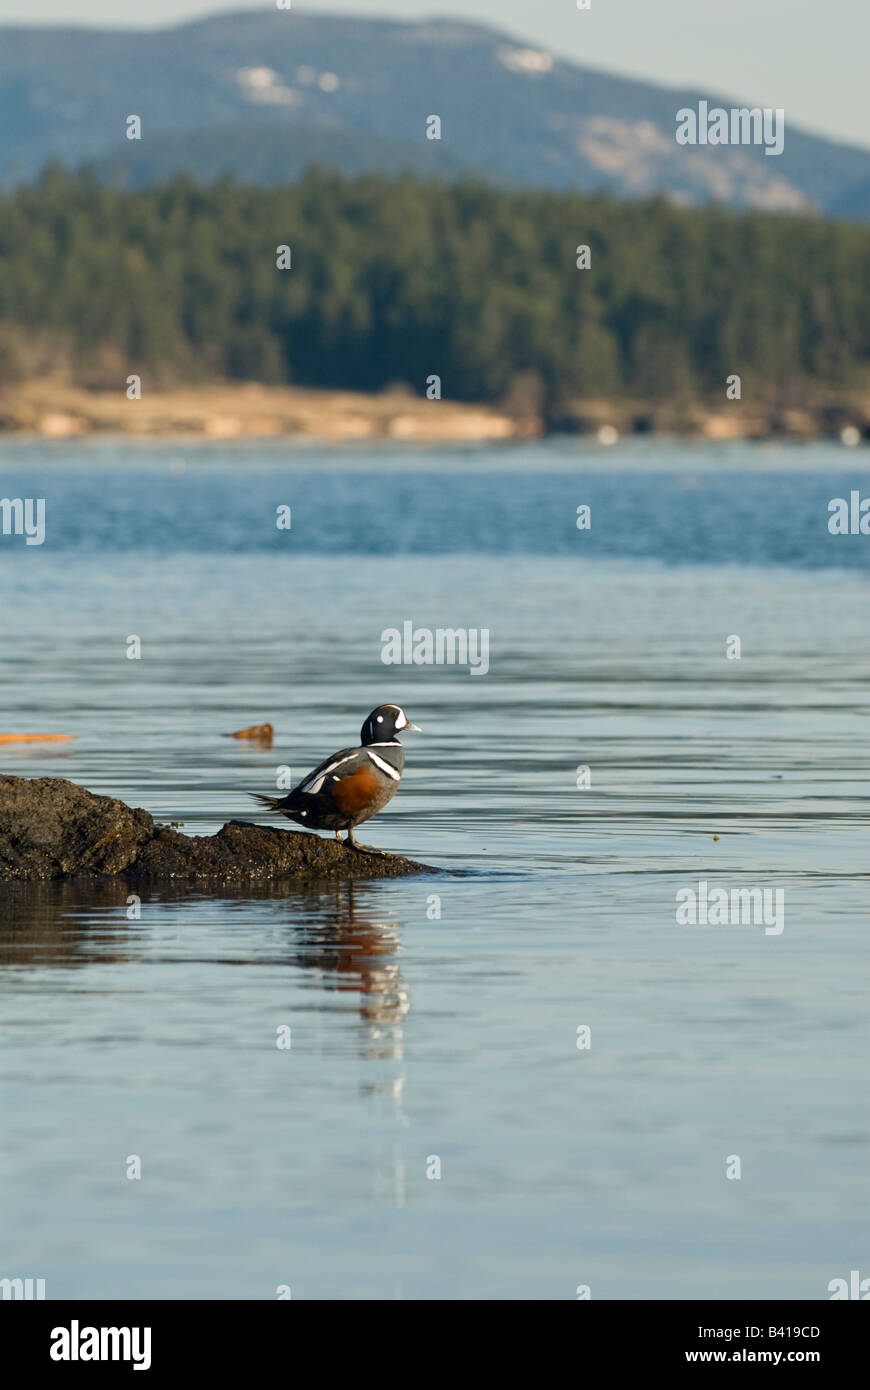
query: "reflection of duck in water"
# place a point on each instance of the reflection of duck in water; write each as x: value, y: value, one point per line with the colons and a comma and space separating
x: 354, y: 784
x: 357, y: 950
x: 349, y: 949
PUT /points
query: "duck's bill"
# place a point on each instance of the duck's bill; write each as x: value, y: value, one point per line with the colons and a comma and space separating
x: 412, y: 728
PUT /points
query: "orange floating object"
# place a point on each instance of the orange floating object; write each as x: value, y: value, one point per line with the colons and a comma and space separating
x: 262, y: 732
x: 36, y: 738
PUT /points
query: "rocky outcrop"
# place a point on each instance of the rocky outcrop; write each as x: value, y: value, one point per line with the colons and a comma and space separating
x: 51, y: 828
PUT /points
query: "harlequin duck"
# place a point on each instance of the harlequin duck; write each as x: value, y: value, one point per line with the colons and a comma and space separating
x: 352, y: 785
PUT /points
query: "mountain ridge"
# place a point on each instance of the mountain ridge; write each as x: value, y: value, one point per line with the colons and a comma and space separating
x: 512, y: 112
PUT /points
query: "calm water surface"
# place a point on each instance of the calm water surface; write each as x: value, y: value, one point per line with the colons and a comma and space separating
x: 414, y: 1038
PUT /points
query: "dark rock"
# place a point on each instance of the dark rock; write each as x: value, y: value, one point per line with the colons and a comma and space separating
x: 50, y: 828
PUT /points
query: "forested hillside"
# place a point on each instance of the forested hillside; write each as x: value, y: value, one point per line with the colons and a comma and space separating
x: 396, y: 280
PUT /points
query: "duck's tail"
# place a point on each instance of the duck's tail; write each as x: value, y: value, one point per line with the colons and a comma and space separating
x: 271, y: 801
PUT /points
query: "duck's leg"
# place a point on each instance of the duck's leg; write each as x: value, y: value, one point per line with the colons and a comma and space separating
x: 338, y: 837
x: 363, y: 849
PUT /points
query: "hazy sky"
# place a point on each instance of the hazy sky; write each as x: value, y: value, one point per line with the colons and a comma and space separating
x: 808, y: 56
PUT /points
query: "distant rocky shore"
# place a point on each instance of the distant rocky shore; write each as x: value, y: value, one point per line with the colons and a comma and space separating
x: 239, y: 411
x: 52, y: 410
x: 50, y: 828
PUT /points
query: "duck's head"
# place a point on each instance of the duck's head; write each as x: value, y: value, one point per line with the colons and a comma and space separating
x: 384, y: 723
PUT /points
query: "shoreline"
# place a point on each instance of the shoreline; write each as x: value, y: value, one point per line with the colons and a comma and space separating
x: 52, y: 409
x: 246, y: 410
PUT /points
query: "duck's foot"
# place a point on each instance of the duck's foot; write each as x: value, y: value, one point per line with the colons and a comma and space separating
x: 364, y: 849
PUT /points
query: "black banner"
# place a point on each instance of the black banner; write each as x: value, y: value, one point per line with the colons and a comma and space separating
x: 161, y: 1338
